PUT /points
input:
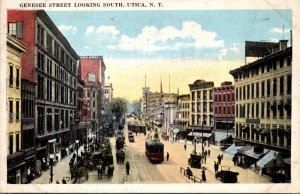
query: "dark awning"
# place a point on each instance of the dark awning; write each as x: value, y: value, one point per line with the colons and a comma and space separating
x: 265, y: 132
x: 243, y: 149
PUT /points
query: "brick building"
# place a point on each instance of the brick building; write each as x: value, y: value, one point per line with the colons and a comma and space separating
x: 224, y: 106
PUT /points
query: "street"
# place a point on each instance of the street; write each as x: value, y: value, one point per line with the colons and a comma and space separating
x: 143, y: 171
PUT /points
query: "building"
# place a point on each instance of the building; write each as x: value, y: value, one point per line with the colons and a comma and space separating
x: 224, y: 106
x: 92, y: 72
x: 50, y: 63
x: 15, y: 157
x: 183, y: 110
x: 108, y: 96
x: 264, y: 100
x: 201, y: 105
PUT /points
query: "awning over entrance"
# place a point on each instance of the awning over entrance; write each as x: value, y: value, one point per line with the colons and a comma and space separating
x: 243, y: 149
x: 197, y: 134
x: 175, y: 131
x: 265, y: 131
x: 255, y: 155
x: 232, y: 150
x: 269, y: 160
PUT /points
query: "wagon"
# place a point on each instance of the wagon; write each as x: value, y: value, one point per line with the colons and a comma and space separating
x: 227, y: 176
x: 131, y: 138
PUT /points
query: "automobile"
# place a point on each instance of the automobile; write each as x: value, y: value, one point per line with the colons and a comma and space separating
x: 226, y: 175
x: 131, y: 138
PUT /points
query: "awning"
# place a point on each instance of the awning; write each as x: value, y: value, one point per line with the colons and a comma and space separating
x: 243, y: 149
x: 232, y: 150
x: 51, y: 140
x: 197, y: 134
x: 254, y: 155
x: 269, y: 160
x: 265, y: 131
x: 287, y: 161
x: 175, y: 131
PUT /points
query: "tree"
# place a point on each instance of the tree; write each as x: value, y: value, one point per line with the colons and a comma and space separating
x: 118, y: 107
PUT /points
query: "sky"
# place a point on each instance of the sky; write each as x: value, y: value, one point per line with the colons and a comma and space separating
x: 185, y: 45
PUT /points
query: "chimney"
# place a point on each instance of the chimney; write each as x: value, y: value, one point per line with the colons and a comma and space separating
x: 282, y: 44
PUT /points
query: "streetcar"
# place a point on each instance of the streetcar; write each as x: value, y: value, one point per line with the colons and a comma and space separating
x: 137, y: 128
x: 154, y: 150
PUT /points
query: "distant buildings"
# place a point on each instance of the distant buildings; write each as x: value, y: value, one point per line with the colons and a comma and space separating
x: 183, y: 110
x: 264, y: 100
x: 108, y: 96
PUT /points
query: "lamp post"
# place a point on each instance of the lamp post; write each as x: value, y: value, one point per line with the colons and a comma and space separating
x: 202, y: 138
x: 51, y: 170
x: 195, y: 141
x: 77, y: 146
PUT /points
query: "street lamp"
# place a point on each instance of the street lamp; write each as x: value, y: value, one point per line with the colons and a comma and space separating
x: 195, y: 141
x: 77, y: 146
x: 51, y: 163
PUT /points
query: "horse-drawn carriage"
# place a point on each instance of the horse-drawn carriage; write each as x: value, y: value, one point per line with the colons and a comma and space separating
x: 78, y: 169
x: 226, y: 175
x: 120, y: 142
x: 195, y: 161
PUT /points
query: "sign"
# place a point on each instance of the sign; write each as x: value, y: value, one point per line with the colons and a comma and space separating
x: 253, y: 121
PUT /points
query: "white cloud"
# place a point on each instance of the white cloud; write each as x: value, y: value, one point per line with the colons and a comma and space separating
x: 89, y: 30
x: 279, y: 30
x: 108, y: 30
x: 64, y: 28
x: 152, y: 39
x: 223, y: 52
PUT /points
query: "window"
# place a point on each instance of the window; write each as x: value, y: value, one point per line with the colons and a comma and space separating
x: 49, y: 119
x: 289, y: 84
x: 11, y: 75
x: 17, y: 142
x: 94, y: 94
x: 41, y: 118
x: 252, y: 91
x: 236, y: 94
x: 211, y: 107
x: 17, y: 110
x: 204, y: 95
x: 257, y: 110
x: 193, y: 96
x: 263, y: 69
x: 240, y: 93
x: 268, y: 87
x: 237, y: 111
x: 268, y: 110
x: 11, y: 110
x: 257, y: 90
x: 274, y: 64
x: 274, y: 87
x: 41, y: 61
x: 281, y: 63
x: 11, y: 144
x: 17, y: 77
x: 49, y: 43
x: 40, y: 86
x: 56, y: 119
x: 40, y: 35
x: 289, y: 61
x: 263, y: 89
x: 210, y: 94
x: 262, y: 110
x: 280, y: 107
x: 244, y: 92
x: 248, y: 91
x: 274, y: 109
x: 204, y: 107
x: 281, y: 85
x: 94, y: 115
x: 248, y: 110
x: 12, y: 29
x: 62, y: 119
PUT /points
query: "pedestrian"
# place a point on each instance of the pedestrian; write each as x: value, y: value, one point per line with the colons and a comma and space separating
x: 222, y: 157
x: 219, y: 159
x: 136, y: 133
x: 57, y: 182
x: 127, y: 167
x: 168, y: 156
x: 208, y: 152
x: 215, y: 166
x: 203, y: 176
x: 64, y: 181
x: 184, y: 146
x: 205, y: 159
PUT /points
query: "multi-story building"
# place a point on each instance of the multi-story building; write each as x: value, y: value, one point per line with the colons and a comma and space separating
x: 201, y: 104
x: 50, y: 63
x: 28, y: 124
x: 264, y: 100
x: 224, y: 106
x: 15, y: 157
x: 108, y: 96
x: 92, y: 70
x: 183, y: 110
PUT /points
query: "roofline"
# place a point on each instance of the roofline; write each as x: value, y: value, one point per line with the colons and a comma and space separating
x: 278, y: 53
x: 44, y: 16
